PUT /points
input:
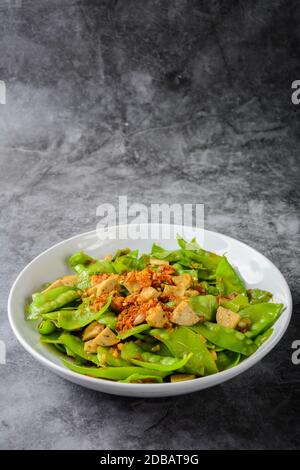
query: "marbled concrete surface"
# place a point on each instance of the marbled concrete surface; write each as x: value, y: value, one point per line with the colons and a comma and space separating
x: 162, y: 101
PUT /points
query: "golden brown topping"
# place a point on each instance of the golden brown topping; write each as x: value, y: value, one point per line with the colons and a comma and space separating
x: 97, y: 278
x: 135, y: 281
x: 126, y: 319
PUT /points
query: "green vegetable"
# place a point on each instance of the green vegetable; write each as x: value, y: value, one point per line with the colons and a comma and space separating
x: 260, y: 339
x: 227, y: 359
x: 134, y: 331
x: 109, y: 319
x: 133, y: 353
x: 76, y: 345
x: 112, y: 373
x: 236, y: 304
x: 105, y: 357
x: 205, y: 305
x: 262, y: 317
x: 76, y: 319
x: 226, y: 338
x: 44, y: 302
x: 141, y: 379
x: 182, y: 341
x: 227, y: 280
x: 257, y: 296
x: 46, y: 327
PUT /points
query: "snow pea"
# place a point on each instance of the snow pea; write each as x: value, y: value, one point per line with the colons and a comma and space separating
x: 181, y: 270
x: 76, y: 345
x: 227, y: 359
x: 163, y: 363
x: 137, y: 356
x: 52, y: 338
x: 205, y: 305
x: 108, y: 319
x: 262, y: 317
x: 210, y: 289
x: 141, y: 379
x: 227, y: 279
x: 133, y: 331
x: 112, y: 373
x: 80, y: 258
x: 181, y: 341
x: 44, y: 302
x: 236, y: 304
x: 167, y: 255
x: 106, y: 357
x: 194, y: 252
x: 46, y: 327
x: 83, y: 263
x: 260, y: 339
x: 76, y: 319
x: 129, y: 262
x: 258, y: 296
x: 226, y: 338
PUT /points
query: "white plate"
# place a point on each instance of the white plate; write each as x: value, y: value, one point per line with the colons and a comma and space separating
x: 255, y: 268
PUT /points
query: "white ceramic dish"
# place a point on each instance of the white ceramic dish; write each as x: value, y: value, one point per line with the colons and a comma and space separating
x: 255, y: 268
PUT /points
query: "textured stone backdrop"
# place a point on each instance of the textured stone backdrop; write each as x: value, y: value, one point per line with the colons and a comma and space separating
x: 162, y: 101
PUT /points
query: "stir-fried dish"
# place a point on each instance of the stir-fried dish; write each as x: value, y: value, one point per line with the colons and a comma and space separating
x: 166, y: 316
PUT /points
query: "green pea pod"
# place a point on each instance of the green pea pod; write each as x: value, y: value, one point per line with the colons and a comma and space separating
x: 76, y: 345
x: 51, y: 300
x: 182, y: 270
x: 109, y: 319
x: 226, y: 338
x: 262, y: 317
x: 105, y: 357
x: 142, y: 379
x: 80, y: 258
x: 46, y: 327
x: 227, y: 279
x: 181, y: 341
x: 111, y: 373
x: 227, y: 359
x: 194, y: 252
x: 205, y: 305
x: 236, y: 304
x: 76, y: 319
x: 258, y: 296
x: 134, y: 353
x: 210, y: 289
x: 260, y: 339
x: 163, y: 363
x: 129, y: 262
x: 52, y: 338
x: 99, y: 267
x: 134, y: 331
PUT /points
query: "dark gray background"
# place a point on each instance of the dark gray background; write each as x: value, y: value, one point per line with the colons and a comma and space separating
x: 163, y: 101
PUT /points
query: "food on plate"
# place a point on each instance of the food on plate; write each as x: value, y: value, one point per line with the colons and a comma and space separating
x: 167, y: 316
